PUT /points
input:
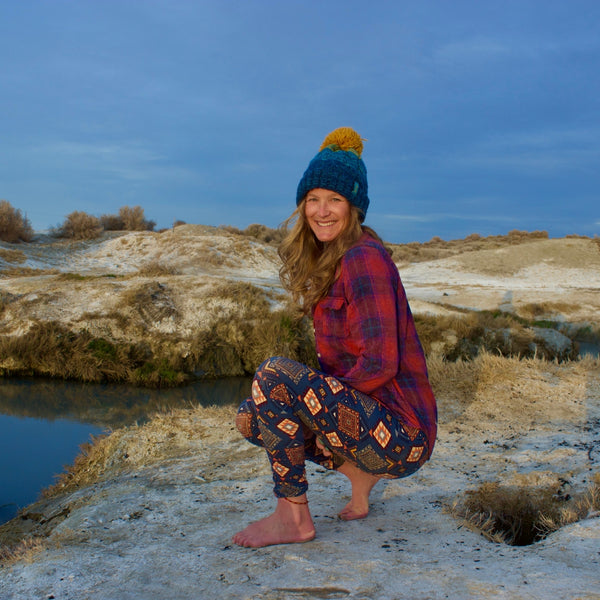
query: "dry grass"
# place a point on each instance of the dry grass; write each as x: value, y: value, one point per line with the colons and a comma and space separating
x: 262, y: 233
x: 49, y: 349
x: 25, y: 551
x: 464, y: 337
x: 27, y: 272
x: 166, y: 435
x: 12, y: 256
x: 438, y: 248
x: 238, y: 345
x: 521, y: 515
x: 157, y: 269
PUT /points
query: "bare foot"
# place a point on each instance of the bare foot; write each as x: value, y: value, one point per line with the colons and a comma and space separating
x: 322, y: 447
x: 362, y: 484
x: 289, y: 524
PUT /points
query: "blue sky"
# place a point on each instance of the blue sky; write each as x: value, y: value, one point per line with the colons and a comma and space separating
x: 481, y: 116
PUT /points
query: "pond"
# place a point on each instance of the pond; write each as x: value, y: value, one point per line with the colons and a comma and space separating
x: 43, y: 423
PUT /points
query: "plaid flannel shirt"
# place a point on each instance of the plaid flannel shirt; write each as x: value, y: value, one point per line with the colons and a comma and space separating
x: 366, y: 337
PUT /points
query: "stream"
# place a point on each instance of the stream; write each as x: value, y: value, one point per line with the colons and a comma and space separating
x: 43, y: 423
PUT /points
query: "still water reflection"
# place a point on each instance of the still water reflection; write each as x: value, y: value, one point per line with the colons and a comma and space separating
x: 43, y: 423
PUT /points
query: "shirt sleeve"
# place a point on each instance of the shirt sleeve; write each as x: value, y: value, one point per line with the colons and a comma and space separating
x: 371, y: 287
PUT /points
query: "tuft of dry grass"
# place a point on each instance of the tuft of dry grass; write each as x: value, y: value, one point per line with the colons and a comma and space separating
x: 522, y: 514
x: 12, y: 256
x: 25, y: 550
x: 535, y: 310
x: 156, y: 268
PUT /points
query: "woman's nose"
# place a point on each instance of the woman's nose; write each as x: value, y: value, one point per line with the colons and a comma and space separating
x: 323, y: 209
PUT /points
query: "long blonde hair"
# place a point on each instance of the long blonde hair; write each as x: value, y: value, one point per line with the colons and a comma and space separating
x: 309, y: 266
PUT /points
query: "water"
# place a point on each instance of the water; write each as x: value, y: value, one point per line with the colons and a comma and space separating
x: 43, y: 423
x: 591, y: 348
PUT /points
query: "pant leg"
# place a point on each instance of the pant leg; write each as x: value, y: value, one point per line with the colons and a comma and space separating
x: 287, y: 395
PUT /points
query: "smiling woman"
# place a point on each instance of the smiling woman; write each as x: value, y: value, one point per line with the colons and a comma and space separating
x: 327, y: 213
x: 368, y: 411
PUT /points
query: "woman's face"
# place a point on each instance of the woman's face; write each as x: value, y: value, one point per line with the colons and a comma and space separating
x: 327, y: 213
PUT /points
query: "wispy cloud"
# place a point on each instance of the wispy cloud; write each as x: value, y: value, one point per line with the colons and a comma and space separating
x: 128, y: 161
x: 542, y: 150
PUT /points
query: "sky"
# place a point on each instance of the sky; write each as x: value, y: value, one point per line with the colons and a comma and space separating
x: 480, y: 116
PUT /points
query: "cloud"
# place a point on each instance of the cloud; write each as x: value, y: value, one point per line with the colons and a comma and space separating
x: 540, y: 150
x: 127, y: 161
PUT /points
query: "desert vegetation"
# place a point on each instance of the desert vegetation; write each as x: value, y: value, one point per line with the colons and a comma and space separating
x: 438, y: 248
x: 262, y: 233
x: 14, y: 226
x: 80, y: 225
x: 522, y: 513
x: 464, y: 336
x: 235, y: 343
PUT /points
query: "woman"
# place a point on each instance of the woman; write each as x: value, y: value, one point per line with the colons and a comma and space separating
x: 369, y: 411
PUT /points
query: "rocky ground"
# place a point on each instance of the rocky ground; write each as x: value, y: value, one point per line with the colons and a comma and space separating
x: 150, y: 512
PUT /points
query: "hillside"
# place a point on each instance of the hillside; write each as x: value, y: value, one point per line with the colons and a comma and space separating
x: 152, y: 308
x: 149, y: 511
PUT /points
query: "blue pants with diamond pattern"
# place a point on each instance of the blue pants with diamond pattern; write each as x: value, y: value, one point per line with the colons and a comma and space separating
x: 292, y: 404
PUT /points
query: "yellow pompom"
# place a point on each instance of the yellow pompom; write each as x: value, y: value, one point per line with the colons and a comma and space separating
x: 345, y: 138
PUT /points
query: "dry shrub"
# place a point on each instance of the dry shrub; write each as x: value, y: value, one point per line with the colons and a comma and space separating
x: 14, y: 227
x: 134, y: 220
x: 128, y: 219
x: 112, y: 223
x: 517, y: 235
x: 522, y: 514
x: 79, y: 225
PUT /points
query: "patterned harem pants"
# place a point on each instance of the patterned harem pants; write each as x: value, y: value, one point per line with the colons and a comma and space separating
x: 291, y: 404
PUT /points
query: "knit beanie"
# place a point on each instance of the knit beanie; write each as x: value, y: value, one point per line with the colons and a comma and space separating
x: 338, y: 167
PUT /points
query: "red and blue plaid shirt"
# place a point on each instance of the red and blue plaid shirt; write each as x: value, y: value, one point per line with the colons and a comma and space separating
x: 366, y: 337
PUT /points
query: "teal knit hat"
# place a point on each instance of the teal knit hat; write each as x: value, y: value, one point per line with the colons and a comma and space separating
x: 338, y: 167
